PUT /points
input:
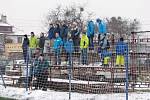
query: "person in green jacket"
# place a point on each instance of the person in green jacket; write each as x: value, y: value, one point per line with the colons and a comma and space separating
x: 33, y: 44
x: 84, y: 44
x: 41, y: 72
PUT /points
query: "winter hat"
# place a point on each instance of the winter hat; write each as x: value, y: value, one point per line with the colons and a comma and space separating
x: 98, y: 20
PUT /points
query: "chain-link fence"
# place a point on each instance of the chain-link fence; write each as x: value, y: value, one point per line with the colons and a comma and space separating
x: 92, y: 71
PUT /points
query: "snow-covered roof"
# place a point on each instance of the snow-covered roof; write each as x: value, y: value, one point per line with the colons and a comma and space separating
x: 4, y: 24
x: 15, y: 33
x: 1, y: 33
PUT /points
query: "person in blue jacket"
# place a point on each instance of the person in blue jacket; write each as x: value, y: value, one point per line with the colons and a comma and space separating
x: 69, y: 48
x: 90, y: 33
x: 57, y: 48
x: 102, y: 29
x: 121, y: 50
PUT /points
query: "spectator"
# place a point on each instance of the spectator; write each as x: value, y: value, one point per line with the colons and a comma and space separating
x: 57, y: 29
x: 33, y: 44
x: 25, y: 47
x: 68, y: 45
x: 90, y: 33
x: 102, y: 29
x: 51, y: 34
x: 75, y: 35
x: 57, y: 49
x: 42, y: 42
x: 84, y: 43
x: 121, y: 50
x: 41, y: 72
x: 64, y: 32
x: 104, y: 50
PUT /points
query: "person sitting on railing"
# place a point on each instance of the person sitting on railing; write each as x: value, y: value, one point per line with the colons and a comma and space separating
x: 84, y: 44
x: 69, y: 48
x: 121, y: 50
x: 41, y: 72
x: 57, y: 49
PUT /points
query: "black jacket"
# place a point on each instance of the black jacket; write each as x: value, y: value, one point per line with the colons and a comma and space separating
x: 42, y: 42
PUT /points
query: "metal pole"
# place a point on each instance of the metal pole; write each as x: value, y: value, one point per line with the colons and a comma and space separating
x: 127, y: 77
x: 70, y: 73
x: 3, y: 79
x: 27, y: 60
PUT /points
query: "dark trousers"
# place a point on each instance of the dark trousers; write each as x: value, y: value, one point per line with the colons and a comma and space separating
x: 25, y: 55
x: 76, y: 43
x: 91, y: 44
x: 42, y: 81
x: 84, y: 56
x: 69, y: 58
x: 57, y: 57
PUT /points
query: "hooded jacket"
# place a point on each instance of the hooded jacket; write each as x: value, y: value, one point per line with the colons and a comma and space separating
x: 25, y: 44
x: 106, y: 53
x: 69, y: 47
x: 90, y: 29
x: 33, y: 42
x: 121, y: 48
x: 102, y: 27
x: 57, y: 44
x: 42, y: 42
x: 84, y: 43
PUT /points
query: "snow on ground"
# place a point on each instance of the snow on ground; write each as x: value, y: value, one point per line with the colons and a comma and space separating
x: 19, y: 93
x: 76, y: 81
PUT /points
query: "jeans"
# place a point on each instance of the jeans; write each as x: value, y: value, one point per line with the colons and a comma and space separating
x: 84, y: 56
x: 91, y: 44
x: 57, y: 57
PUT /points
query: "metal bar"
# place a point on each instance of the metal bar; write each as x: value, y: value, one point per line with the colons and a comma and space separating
x: 127, y: 77
x: 3, y: 79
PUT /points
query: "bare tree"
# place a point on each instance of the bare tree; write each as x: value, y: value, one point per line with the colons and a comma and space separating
x: 122, y: 27
x: 67, y: 14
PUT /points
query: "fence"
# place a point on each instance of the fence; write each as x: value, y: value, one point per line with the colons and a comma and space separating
x: 92, y: 77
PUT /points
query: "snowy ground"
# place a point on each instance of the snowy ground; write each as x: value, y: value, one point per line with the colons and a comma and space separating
x: 19, y: 93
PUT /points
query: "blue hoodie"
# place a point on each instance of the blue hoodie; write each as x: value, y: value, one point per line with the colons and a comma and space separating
x: 57, y: 44
x: 102, y: 27
x: 90, y: 29
x: 106, y: 53
x: 121, y: 48
x: 69, y: 47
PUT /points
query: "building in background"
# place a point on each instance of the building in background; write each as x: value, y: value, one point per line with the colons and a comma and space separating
x: 10, y: 40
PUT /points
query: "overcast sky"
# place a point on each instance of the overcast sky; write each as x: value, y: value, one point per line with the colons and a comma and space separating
x: 28, y: 15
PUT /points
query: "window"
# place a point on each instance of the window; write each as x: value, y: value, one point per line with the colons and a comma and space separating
x: 19, y: 40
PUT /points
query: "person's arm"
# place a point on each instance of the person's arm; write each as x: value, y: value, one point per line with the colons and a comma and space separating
x: 81, y: 44
x: 36, y: 42
x: 86, y: 42
x: 78, y: 31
